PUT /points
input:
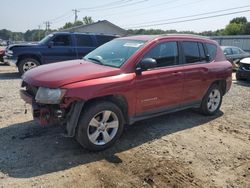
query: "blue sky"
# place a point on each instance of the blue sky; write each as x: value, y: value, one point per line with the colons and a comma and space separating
x: 21, y: 15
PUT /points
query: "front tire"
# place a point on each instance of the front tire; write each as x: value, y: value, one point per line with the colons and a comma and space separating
x: 211, y: 102
x: 27, y: 64
x: 100, y: 126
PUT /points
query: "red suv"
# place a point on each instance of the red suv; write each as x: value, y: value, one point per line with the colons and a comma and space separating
x: 127, y: 80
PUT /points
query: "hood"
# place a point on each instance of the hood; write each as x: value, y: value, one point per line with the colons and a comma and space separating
x: 55, y: 75
x: 22, y: 45
x: 245, y: 60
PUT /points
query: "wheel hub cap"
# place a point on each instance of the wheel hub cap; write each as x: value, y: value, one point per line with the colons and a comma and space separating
x: 213, y: 100
x: 103, y: 127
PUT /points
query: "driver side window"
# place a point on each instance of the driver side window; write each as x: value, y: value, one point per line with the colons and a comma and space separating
x: 62, y: 40
x: 165, y: 54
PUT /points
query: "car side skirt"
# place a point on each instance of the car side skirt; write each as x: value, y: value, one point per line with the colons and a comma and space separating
x: 163, y: 111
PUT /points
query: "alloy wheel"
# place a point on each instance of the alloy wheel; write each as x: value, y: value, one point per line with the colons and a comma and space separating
x: 214, y: 99
x: 103, y: 127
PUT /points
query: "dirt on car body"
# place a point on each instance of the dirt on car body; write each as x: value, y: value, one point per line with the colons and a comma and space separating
x: 183, y: 149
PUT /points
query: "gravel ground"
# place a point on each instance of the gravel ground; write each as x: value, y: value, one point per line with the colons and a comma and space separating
x: 183, y: 149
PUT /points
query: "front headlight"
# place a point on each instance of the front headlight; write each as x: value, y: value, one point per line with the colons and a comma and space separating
x: 49, y: 96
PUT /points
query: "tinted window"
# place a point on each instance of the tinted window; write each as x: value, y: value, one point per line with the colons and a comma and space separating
x: 236, y: 51
x: 191, y: 52
x: 227, y: 51
x: 102, y: 39
x: 62, y: 40
x: 165, y: 54
x: 202, y: 52
x: 84, y: 40
x: 211, y: 49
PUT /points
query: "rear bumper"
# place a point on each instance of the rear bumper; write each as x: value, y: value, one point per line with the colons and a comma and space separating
x: 10, y: 60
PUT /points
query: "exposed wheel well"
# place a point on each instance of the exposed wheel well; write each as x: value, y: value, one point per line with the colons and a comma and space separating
x: 119, y: 100
x: 21, y: 57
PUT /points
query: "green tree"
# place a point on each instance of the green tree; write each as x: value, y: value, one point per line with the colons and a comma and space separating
x: 247, y: 28
x: 234, y: 29
x: 239, y: 20
x: 5, y: 34
x: 77, y: 23
x: 67, y: 25
x: 87, y: 20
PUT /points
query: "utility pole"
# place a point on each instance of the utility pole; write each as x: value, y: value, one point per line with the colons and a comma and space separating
x: 75, y: 12
x: 47, y: 24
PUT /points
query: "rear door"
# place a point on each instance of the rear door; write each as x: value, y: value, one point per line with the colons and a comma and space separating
x: 84, y: 44
x: 61, y: 49
x: 195, y: 72
x: 160, y: 88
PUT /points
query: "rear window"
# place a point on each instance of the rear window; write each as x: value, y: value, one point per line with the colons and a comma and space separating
x: 211, y: 49
x: 102, y: 39
x: 84, y: 40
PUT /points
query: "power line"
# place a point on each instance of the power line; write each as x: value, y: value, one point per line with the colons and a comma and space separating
x: 136, y: 10
x: 75, y: 11
x: 194, y: 15
x: 61, y: 16
x: 58, y: 21
x: 106, y: 5
x: 120, y: 6
x: 194, y: 19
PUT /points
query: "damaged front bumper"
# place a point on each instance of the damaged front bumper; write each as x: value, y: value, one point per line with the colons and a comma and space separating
x: 52, y: 114
x: 44, y: 114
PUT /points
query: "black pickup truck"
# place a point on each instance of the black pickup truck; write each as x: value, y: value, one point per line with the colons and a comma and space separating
x: 56, y: 47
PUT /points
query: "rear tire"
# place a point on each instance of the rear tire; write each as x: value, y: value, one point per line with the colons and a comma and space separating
x: 211, y: 102
x: 27, y: 64
x: 100, y: 126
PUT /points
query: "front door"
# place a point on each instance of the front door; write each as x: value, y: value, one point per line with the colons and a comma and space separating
x: 160, y: 88
x: 62, y: 49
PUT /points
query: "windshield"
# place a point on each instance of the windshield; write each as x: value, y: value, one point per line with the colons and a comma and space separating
x: 46, y: 39
x: 114, y: 53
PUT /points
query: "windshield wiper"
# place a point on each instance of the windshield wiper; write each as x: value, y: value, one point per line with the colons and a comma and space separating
x: 96, y: 60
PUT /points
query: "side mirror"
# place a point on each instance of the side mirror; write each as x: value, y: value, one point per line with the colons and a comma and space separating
x: 145, y: 64
x: 50, y: 44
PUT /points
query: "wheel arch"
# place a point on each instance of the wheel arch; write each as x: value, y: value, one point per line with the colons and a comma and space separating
x: 222, y: 84
x: 24, y: 56
x: 119, y: 100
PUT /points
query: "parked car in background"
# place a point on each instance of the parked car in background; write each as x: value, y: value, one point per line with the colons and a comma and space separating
x: 234, y: 55
x: 243, y: 73
x: 2, y: 52
x: 59, y: 46
x: 126, y: 80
